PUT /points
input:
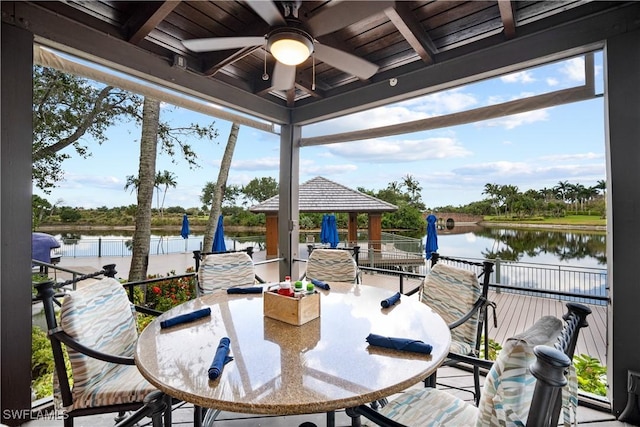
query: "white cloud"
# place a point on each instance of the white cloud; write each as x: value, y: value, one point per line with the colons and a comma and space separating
x: 519, y: 77
x: 520, y: 173
x: 73, y: 180
x: 446, y: 102
x: 564, y: 158
x: 516, y: 120
x: 573, y: 69
x: 386, y: 151
x: 265, y: 163
x: 326, y: 170
x: 552, y: 81
x: 492, y: 169
x: 440, y: 103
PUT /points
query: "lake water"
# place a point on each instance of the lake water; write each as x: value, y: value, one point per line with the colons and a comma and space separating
x: 584, y: 249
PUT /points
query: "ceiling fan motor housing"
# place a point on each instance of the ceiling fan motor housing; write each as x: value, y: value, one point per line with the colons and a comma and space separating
x: 295, y: 37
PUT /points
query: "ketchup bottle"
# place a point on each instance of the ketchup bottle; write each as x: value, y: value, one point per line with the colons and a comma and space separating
x: 285, y: 287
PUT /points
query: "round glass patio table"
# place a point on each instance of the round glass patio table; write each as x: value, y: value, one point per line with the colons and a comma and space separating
x: 282, y: 369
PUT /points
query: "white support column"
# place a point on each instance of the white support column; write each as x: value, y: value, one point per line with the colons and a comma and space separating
x: 622, y: 124
x: 288, y: 215
x: 16, y: 140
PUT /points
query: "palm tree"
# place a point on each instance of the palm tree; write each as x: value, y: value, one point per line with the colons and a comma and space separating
x: 493, y: 191
x: 166, y: 179
x: 146, y: 184
x: 601, y: 186
x: 132, y: 182
x: 561, y: 190
x: 218, y: 191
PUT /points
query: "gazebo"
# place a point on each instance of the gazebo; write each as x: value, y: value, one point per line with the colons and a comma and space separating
x: 323, y: 195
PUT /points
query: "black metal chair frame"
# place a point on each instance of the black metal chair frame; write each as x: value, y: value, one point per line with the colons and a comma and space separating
x: 549, y: 369
x: 156, y: 405
x: 481, y: 306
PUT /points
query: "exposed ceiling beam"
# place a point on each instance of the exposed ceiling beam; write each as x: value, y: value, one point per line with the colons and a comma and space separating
x: 404, y: 20
x: 148, y: 18
x: 508, y: 18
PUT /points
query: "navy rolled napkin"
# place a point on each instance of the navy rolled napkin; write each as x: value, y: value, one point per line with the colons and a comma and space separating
x: 220, y: 359
x: 184, y: 318
x: 386, y: 303
x: 247, y: 290
x: 320, y: 284
x: 404, y: 344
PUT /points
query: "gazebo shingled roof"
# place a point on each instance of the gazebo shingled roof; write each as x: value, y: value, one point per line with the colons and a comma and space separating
x: 323, y: 195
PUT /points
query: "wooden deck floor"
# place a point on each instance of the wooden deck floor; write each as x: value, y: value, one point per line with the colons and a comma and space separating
x: 517, y: 312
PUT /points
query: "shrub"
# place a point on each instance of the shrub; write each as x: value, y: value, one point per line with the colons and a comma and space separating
x: 494, y: 349
x: 592, y: 376
x: 42, y: 364
x: 165, y: 294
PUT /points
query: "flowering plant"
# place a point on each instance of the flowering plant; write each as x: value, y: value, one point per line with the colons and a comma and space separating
x: 165, y: 294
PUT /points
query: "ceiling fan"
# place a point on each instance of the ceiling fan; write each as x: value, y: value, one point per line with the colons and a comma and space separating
x: 291, y: 41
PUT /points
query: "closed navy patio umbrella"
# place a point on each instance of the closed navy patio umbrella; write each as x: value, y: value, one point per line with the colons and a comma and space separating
x: 218, y: 238
x: 329, y: 231
x: 184, y: 232
x: 432, y: 236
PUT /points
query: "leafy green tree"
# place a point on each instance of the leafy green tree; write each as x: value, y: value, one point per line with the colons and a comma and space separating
x: 260, y: 189
x: 230, y: 195
x: 71, y: 111
x: 69, y: 214
x: 40, y: 208
x: 67, y: 111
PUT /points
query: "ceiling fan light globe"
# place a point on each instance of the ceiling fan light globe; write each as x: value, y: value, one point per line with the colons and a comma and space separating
x: 290, y: 48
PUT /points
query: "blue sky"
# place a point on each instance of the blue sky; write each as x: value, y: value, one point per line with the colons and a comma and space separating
x: 533, y: 150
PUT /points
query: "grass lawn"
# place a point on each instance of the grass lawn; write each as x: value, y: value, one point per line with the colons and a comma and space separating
x: 567, y: 220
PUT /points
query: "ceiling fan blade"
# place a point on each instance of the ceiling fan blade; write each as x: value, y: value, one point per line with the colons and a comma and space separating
x: 268, y: 11
x: 343, y: 14
x: 345, y: 61
x: 222, y: 43
x: 284, y: 76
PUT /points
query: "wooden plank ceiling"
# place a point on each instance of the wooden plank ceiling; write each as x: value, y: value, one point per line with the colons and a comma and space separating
x: 405, y: 35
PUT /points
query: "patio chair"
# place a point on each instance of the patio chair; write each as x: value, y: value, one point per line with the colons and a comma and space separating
x: 458, y: 297
x: 332, y: 265
x: 522, y: 386
x: 98, y: 328
x: 224, y: 270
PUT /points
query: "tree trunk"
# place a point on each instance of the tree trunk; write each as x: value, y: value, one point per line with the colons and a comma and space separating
x: 216, y: 202
x: 146, y: 182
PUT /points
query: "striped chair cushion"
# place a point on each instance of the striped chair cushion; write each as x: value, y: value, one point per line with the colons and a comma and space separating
x: 506, y: 396
x: 422, y: 407
x: 99, y: 316
x: 332, y: 265
x: 509, y: 385
x: 451, y: 292
x: 221, y: 271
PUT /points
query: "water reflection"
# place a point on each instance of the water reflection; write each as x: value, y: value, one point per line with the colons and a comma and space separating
x: 514, y: 244
x: 583, y: 248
